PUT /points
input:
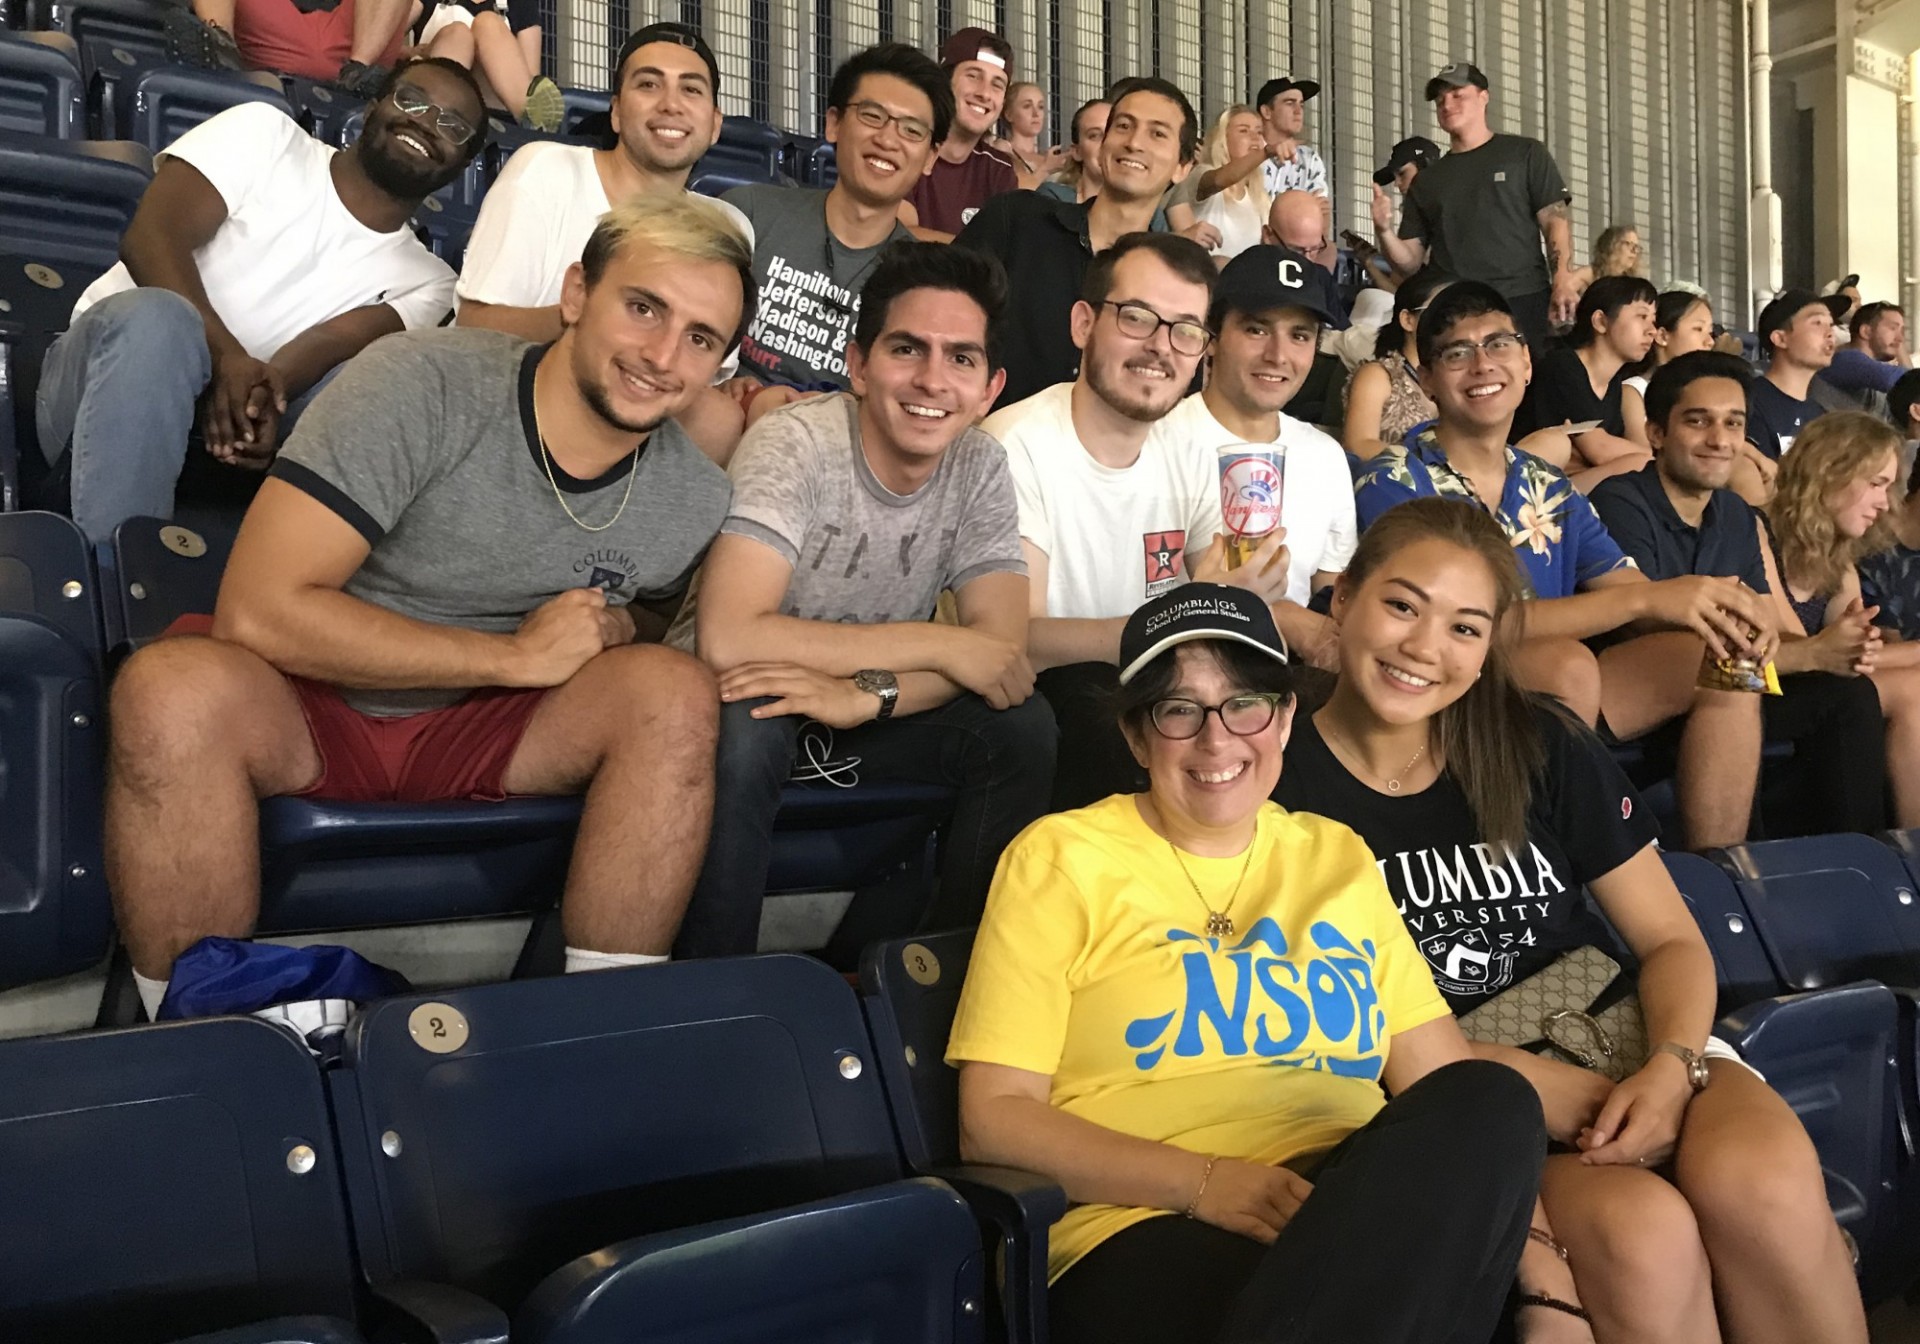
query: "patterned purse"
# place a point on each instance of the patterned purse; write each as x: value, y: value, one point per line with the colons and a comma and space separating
x: 1581, y: 1005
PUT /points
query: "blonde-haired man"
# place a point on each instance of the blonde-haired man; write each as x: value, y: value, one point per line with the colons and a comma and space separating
x: 451, y: 587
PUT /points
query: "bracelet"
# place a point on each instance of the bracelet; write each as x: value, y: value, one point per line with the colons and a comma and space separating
x: 1542, y: 1300
x: 1205, y: 1176
x: 1545, y: 1239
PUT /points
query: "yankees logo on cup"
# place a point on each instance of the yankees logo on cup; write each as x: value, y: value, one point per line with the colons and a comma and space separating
x: 1253, y: 478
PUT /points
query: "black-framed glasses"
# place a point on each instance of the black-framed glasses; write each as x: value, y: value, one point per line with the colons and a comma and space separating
x: 1242, y: 715
x: 913, y: 130
x: 413, y: 103
x: 1141, y: 322
x: 1501, y: 348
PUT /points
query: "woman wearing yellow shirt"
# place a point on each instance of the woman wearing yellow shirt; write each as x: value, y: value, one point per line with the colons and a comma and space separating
x: 1187, y: 1002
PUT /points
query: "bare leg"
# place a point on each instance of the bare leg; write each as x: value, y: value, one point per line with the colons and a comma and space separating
x: 455, y: 43
x: 1781, y: 1271
x: 636, y: 729
x: 1563, y: 668
x: 1649, y: 681
x: 1899, y: 689
x: 202, y: 730
x: 500, y: 58
x: 1635, y: 1252
x: 375, y: 25
x: 528, y: 40
x: 217, y: 12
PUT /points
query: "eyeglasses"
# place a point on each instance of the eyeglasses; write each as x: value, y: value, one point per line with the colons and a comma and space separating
x: 1503, y: 347
x: 1141, y: 322
x: 1244, y: 715
x: 413, y: 103
x: 912, y: 129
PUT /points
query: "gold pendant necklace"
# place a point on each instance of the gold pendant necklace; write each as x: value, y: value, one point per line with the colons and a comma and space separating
x: 1393, y: 785
x: 1219, y: 922
x: 546, y: 460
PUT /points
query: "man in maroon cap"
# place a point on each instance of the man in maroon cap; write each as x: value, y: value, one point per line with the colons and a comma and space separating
x: 967, y: 172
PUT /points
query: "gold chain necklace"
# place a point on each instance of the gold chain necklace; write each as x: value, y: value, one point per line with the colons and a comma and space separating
x: 1393, y: 785
x: 1219, y: 922
x: 546, y: 460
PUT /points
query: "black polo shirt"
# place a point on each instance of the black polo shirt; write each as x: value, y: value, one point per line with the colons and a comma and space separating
x: 1044, y: 245
x: 1643, y: 522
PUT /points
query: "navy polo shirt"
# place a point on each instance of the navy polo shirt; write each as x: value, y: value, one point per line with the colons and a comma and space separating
x: 1643, y: 522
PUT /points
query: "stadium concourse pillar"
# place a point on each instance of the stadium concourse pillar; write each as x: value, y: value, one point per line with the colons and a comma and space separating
x: 1763, y: 218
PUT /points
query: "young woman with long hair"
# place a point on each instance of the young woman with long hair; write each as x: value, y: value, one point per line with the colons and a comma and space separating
x: 1830, y: 509
x: 1229, y: 190
x: 1489, y: 810
x: 1384, y: 396
x: 1682, y: 324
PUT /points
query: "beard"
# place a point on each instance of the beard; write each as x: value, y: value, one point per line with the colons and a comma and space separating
x: 600, y: 401
x: 396, y: 172
x: 1143, y: 407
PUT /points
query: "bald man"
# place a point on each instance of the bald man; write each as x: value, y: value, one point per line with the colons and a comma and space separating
x: 1298, y: 219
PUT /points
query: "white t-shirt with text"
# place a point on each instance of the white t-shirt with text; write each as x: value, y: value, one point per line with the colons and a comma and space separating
x: 289, y: 255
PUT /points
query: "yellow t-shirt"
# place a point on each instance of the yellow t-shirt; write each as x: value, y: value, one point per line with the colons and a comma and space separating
x: 1092, y: 966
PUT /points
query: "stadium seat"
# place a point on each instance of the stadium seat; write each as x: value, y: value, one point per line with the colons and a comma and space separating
x: 1739, y: 961
x: 911, y: 989
x: 40, y: 88
x: 65, y: 203
x: 321, y: 109
x: 55, y: 917
x: 823, y: 167
x: 36, y: 303
x: 444, y: 224
x: 1832, y: 1056
x: 586, y: 113
x: 1831, y: 909
x: 157, y: 103
x: 138, y: 25
x: 696, y: 1152
x: 747, y: 153
x: 169, y: 1181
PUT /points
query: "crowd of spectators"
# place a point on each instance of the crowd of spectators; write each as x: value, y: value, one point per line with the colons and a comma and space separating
x: 917, y: 477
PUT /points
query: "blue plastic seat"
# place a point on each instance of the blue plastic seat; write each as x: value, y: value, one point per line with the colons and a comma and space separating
x: 55, y: 916
x: 1831, y: 909
x: 40, y: 88
x: 64, y: 204
x: 319, y: 107
x: 910, y: 989
x: 444, y: 224
x: 1739, y: 961
x: 36, y: 303
x: 157, y: 103
x: 137, y: 25
x: 747, y: 153
x: 696, y: 1152
x: 171, y: 1181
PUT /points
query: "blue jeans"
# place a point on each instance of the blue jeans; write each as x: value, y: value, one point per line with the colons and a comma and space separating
x: 118, y: 392
x: 999, y: 761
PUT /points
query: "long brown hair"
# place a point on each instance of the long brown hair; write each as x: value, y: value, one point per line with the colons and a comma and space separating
x: 1489, y: 737
x: 1828, y: 454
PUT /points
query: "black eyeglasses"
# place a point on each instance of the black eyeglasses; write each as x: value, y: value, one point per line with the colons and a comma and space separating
x: 413, y: 103
x: 912, y: 129
x: 1243, y: 715
x: 1505, y: 346
x: 1141, y: 322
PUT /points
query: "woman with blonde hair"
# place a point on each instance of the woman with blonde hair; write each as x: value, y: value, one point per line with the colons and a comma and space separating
x: 1616, y: 251
x: 1226, y: 188
x: 1830, y: 509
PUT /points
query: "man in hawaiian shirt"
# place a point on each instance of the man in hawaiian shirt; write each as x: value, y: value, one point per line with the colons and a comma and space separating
x: 1621, y: 652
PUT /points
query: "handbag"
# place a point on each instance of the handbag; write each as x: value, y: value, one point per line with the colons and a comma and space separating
x: 1581, y: 1005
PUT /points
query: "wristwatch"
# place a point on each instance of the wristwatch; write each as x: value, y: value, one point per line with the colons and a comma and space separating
x: 883, y: 684
x: 1696, y: 1062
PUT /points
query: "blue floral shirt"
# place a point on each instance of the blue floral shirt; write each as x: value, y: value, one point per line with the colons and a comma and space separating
x: 1559, y: 539
x: 1891, y: 581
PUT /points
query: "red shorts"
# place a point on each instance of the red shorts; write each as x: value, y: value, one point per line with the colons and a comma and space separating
x: 443, y: 755
x: 274, y: 35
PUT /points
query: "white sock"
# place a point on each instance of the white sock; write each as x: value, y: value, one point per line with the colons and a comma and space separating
x: 579, y: 959
x: 151, y: 993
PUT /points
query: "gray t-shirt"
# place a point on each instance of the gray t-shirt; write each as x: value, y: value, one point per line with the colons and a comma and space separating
x: 809, y: 286
x: 426, y: 445
x: 1477, y: 211
x: 860, y: 553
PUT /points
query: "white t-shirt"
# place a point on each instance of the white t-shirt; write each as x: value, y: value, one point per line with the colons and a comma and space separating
x: 1113, y: 537
x: 535, y: 223
x: 1239, y: 222
x: 1316, y: 505
x: 289, y: 255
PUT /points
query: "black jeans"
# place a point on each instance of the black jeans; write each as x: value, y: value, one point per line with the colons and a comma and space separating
x: 1094, y: 759
x: 1532, y: 317
x: 1000, y: 761
x: 1411, y: 1236
x: 1839, y: 741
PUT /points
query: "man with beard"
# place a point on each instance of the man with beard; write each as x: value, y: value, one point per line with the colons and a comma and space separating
x: 372, y: 642
x: 851, y: 515
x: 887, y: 108
x: 1047, y: 246
x: 259, y: 261
x: 1269, y: 308
x: 1114, y: 510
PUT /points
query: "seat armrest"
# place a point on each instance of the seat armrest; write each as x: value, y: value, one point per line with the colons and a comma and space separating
x: 1020, y: 1206
x: 413, y: 1311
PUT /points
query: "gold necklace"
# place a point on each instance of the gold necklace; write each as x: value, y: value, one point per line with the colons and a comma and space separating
x: 546, y: 460
x: 1219, y: 922
x: 1393, y: 785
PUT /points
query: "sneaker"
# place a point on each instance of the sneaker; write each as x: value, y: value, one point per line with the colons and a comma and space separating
x: 361, y: 80
x: 545, y: 108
